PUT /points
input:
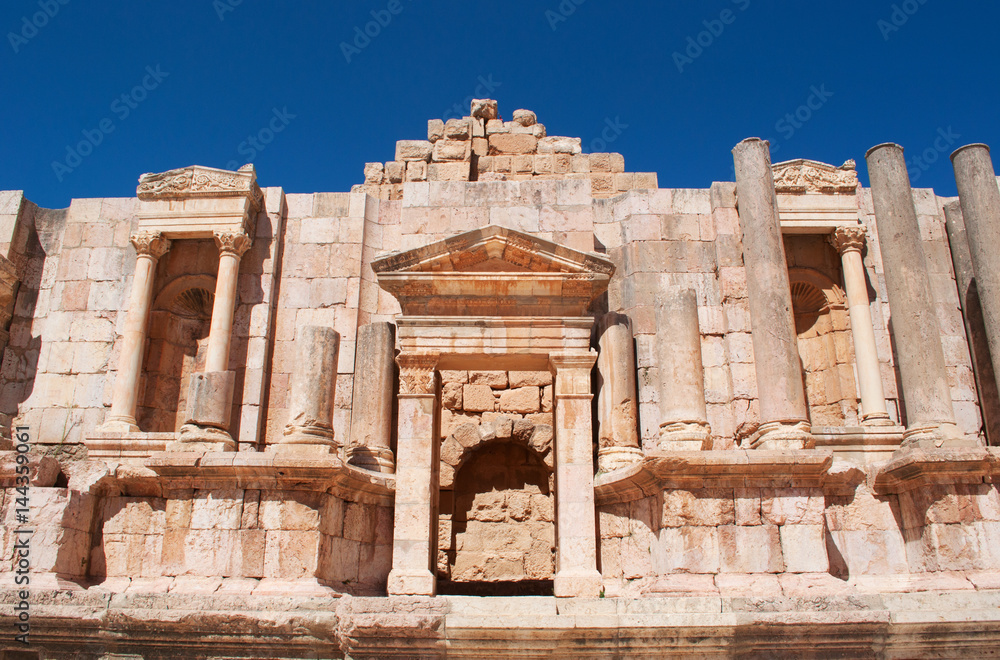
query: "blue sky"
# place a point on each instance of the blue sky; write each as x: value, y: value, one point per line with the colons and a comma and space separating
x: 168, y: 84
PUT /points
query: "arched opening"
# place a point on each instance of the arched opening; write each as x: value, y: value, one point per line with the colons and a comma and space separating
x: 497, y: 531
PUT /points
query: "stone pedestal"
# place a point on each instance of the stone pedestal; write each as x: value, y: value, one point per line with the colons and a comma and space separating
x: 617, y: 403
x: 930, y: 416
x: 209, y: 409
x: 783, y: 410
x: 414, y: 544
x: 975, y: 328
x: 576, y: 527
x: 149, y: 247
x: 314, y: 383
x: 371, y: 422
x: 683, y: 412
x: 849, y: 241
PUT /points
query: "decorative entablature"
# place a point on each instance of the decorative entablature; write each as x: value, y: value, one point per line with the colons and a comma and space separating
x: 494, y: 271
x: 196, y: 201
x: 816, y: 198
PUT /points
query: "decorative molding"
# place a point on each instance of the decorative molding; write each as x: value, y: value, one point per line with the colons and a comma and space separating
x: 417, y: 373
x: 845, y: 239
x: 197, y: 181
x: 808, y: 176
x: 231, y: 242
x: 150, y: 244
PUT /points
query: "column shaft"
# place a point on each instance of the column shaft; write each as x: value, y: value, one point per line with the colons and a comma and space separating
x: 414, y: 544
x: 849, y: 242
x: 125, y: 394
x: 783, y: 410
x: 617, y: 404
x: 576, y: 527
x: 930, y: 416
x: 314, y: 383
x: 231, y: 249
x: 371, y: 413
x: 683, y: 412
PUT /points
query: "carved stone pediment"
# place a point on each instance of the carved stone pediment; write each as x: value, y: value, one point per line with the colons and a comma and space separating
x: 198, y: 181
x: 809, y: 176
x: 494, y: 271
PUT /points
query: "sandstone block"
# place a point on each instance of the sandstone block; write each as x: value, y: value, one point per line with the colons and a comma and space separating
x: 520, y: 400
x: 522, y: 164
x: 413, y: 150
x: 457, y: 129
x: 505, y: 143
x: 495, y: 379
x: 450, y: 171
x: 803, y: 548
x: 580, y: 163
x: 560, y: 145
x: 374, y: 172
x: 480, y: 147
x: 598, y: 162
x: 646, y: 181
x: 750, y: 549
x: 454, y: 376
x: 484, y: 109
x: 602, y: 183
x: 501, y: 164
x: 710, y: 508
x: 543, y: 164
x: 523, y: 378
x: 451, y: 396
x: 395, y: 171
x: 525, y: 117
x: 477, y: 398
x: 494, y: 126
x: 447, y: 149
x: 435, y: 130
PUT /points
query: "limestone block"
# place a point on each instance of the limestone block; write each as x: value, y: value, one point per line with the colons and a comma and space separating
x: 454, y: 376
x: 451, y: 420
x: 435, y: 130
x: 599, y: 162
x: 448, y: 149
x: 477, y: 398
x: 560, y: 145
x: 547, y: 399
x: 803, y: 548
x: 394, y: 171
x: 543, y: 164
x: 374, y: 172
x: 416, y: 170
x: 520, y: 400
x: 495, y: 126
x: 750, y: 549
x: 523, y: 378
x: 481, y: 147
x: 495, y: 379
x: 501, y: 164
x: 414, y: 150
x: 747, y: 501
x: 210, y: 399
x: 457, y: 129
x: 693, y: 549
x: 505, y: 143
x: 562, y: 163
x: 602, y: 183
x: 646, y: 180
x: 484, y: 109
x: 705, y: 507
x: 525, y: 117
x: 451, y: 396
x: 792, y: 506
x: 290, y: 554
x: 450, y: 171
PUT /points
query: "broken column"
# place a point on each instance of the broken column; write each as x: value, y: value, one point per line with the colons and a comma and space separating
x: 975, y: 328
x: 930, y: 416
x: 849, y: 241
x: 371, y: 416
x: 980, y: 199
x: 314, y: 383
x: 149, y: 247
x: 414, y: 542
x: 683, y: 412
x: 783, y: 410
x: 617, y: 403
x: 576, y: 525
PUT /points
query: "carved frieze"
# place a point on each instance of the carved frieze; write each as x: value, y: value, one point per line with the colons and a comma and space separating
x: 198, y: 181
x: 806, y: 176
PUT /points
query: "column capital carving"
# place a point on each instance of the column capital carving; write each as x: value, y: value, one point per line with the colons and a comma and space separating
x: 562, y: 361
x: 230, y: 242
x: 150, y: 244
x: 846, y: 239
x: 416, y: 373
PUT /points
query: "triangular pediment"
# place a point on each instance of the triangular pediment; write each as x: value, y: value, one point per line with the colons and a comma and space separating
x: 810, y: 176
x: 494, y: 271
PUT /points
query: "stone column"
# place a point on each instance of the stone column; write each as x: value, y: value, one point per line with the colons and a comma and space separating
x: 783, y: 410
x: 314, y: 383
x: 683, y: 413
x: 576, y: 527
x: 149, y: 247
x: 930, y: 416
x: 232, y: 245
x: 980, y: 199
x: 617, y: 403
x: 414, y: 543
x: 849, y: 242
x: 371, y: 412
x: 975, y: 328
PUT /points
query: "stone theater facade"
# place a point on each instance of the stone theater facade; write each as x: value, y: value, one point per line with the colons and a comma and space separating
x: 505, y: 398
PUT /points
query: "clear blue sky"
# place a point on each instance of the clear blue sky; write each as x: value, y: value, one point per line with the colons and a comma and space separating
x: 230, y: 65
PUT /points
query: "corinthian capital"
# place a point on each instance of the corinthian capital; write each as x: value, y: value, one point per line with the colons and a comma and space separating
x: 150, y: 244
x: 231, y: 242
x: 845, y: 239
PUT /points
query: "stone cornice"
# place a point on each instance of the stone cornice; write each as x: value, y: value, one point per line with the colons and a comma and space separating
x: 197, y: 181
x: 809, y: 176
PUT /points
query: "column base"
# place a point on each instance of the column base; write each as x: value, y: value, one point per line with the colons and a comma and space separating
x: 685, y: 436
x: 783, y: 436
x: 411, y: 583
x: 610, y: 459
x: 877, y: 419
x: 306, y: 441
x: 118, y: 425
x: 578, y: 583
x: 936, y: 436
x: 376, y: 459
x: 202, y: 438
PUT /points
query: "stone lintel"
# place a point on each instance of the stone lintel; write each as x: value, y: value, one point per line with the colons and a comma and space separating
x: 913, y: 468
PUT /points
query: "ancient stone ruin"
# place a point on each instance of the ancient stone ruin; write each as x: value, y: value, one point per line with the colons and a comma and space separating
x: 508, y: 399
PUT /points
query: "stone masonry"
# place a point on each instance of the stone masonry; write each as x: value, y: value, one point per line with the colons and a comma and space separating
x: 507, y: 395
